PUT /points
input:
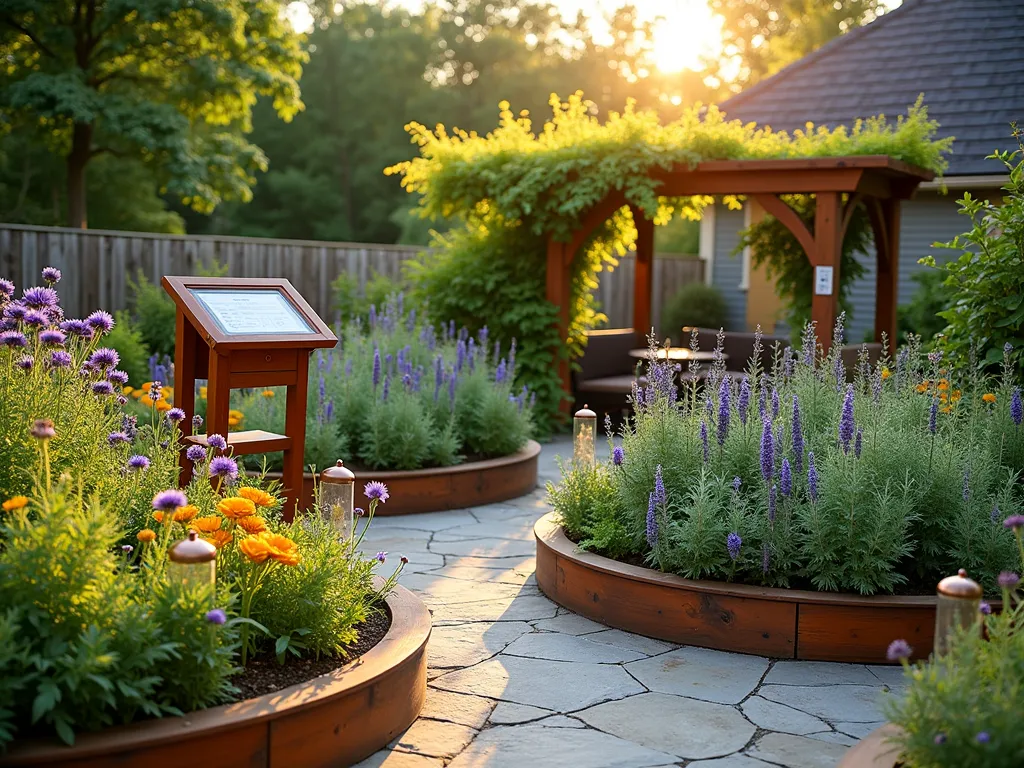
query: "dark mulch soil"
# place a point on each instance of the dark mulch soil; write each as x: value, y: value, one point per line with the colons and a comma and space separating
x: 264, y: 675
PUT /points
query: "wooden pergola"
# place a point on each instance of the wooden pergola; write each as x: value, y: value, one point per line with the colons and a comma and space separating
x: 839, y: 184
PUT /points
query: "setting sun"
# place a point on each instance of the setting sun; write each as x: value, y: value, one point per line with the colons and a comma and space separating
x: 687, y: 33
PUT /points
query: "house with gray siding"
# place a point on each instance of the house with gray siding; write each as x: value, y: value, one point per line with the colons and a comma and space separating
x: 967, y: 59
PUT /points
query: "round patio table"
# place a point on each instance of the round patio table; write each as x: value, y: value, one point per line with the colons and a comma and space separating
x: 678, y: 354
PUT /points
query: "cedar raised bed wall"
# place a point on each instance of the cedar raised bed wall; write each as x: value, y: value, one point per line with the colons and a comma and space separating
x: 779, y: 623
x: 332, y: 720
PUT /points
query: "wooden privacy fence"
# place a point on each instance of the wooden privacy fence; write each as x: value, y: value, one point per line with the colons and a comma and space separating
x: 97, y: 265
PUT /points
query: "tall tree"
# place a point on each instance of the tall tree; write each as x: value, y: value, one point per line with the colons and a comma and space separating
x: 760, y: 37
x: 171, y: 83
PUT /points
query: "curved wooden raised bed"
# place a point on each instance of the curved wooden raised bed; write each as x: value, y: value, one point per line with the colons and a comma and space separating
x: 335, y: 719
x: 781, y: 623
x: 874, y: 750
x: 433, y: 490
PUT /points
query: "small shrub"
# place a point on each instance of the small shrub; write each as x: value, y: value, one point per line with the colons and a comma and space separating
x: 921, y: 315
x: 696, y: 304
x: 154, y: 314
x: 127, y: 341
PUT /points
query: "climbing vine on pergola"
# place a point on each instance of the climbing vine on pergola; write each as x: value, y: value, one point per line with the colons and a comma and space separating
x: 586, y: 191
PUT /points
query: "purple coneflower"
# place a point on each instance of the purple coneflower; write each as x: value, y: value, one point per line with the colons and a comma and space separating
x: 898, y: 650
x: 846, y: 423
x: 59, y: 359
x: 216, y: 616
x: 652, y: 522
x: 170, y: 500
x: 217, y: 441
x: 51, y: 275
x: 102, y: 388
x: 100, y: 321
x: 704, y: 438
x: 25, y: 362
x: 733, y: 542
x: 767, y: 452
x: 224, y: 467
x: 1016, y: 407
x: 116, y: 438
x: 618, y: 455
x: 138, y: 463
x: 786, y: 479
x: 196, y: 454
x: 13, y: 339
x: 376, y: 490
x: 40, y: 298
x: 812, y: 477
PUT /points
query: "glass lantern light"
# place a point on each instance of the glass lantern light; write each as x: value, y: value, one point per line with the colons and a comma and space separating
x: 193, y: 561
x: 337, y: 498
x: 584, y: 437
x: 959, y: 601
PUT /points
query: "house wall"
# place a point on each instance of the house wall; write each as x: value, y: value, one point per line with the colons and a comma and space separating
x: 727, y: 273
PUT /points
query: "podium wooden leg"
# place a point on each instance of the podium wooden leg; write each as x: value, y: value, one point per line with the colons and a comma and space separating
x: 295, y: 424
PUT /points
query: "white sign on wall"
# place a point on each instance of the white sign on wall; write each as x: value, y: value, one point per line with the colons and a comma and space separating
x: 823, y: 281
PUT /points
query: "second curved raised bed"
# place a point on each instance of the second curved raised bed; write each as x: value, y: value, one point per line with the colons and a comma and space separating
x: 780, y: 623
x: 441, y: 488
x: 876, y: 750
x: 335, y: 719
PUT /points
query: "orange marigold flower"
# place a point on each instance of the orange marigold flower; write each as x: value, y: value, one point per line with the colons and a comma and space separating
x: 146, y: 535
x: 206, y: 524
x: 137, y: 394
x: 988, y: 397
x: 15, y: 502
x: 160, y: 518
x: 946, y: 408
x: 943, y: 397
x: 258, y: 497
x: 922, y: 387
x: 252, y: 524
x: 186, y: 513
x: 233, y: 422
x: 218, y: 538
x: 955, y: 396
x: 236, y: 507
x: 163, y: 405
x: 267, y: 393
x: 943, y: 385
x: 886, y: 373
x: 270, y: 546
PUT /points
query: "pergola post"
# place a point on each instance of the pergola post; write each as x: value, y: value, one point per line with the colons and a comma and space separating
x: 885, y: 222
x: 643, y: 276
x: 825, y: 259
x: 558, y: 292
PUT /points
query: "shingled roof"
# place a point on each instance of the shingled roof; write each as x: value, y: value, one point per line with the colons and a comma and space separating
x: 965, y: 56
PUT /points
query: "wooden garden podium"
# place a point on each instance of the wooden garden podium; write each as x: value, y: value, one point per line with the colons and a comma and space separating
x: 245, y: 333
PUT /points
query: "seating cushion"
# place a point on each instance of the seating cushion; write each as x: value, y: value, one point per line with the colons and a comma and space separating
x: 608, y: 384
x: 607, y: 354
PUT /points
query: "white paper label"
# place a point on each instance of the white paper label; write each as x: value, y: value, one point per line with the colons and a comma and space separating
x: 823, y: 281
x: 252, y: 312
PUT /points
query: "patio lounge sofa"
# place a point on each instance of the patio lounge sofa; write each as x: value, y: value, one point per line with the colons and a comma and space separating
x: 607, y: 372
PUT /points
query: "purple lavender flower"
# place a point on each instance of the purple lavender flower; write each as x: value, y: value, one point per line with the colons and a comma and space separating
x: 898, y: 650
x: 704, y: 439
x: 482, y: 338
x: 499, y: 372
x: 762, y: 401
x: 773, y: 497
x: 809, y: 344
x: 453, y: 379
x: 216, y: 616
x: 100, y: 321
x: 78, y: 328
x: 935, y: 357
x: 51, y: 275
x: 438, y: 375
x: 767, y: 452
x: 846, y: 423
x: 983, y: 737
x: 652, y: 522
x: 381, y: 556
x: 1016, y: 407
x: 196, y: 454
x: 376, y: 490
x: 660, y: 496
x: 840, y: 373
x: 329, y: 411
x: 386, y: 388
x: 940, y: 739
x: 798, y: 437
x: 743, y: 406
x: 224, y: 467
x: 376, y: 367
x: 138, y: 462
x: 933, y: 415
x: 217, y: 441
x: 765, y: 558
x: 348, y: 367
x: 116, y: 438
x: 1014, y: 522
x: 460, y: 355
x: 1008, y: 580
x: 786, y: 479
x: 618, y: 455
x: 168, y: 501
x: 102, y: 388
x: 35, y: 319
x: 733, y: 542
x: 25, y: 362
x: 59, y: 359
x: 724, y: 393
x: 13, y: 339
x: 775, y: 403
x: 736, y: 483
x: 40, y: 298
x: 858, y: 442
x: 103, y: 358
x: 175, y: 415
x: 6, y: 288
x: 812, y: 477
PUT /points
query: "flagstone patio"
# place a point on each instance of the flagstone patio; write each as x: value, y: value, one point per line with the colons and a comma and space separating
x: 517, y: 681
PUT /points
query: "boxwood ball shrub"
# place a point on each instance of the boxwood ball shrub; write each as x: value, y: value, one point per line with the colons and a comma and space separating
x: 697, y: 305
x: 795, y: 477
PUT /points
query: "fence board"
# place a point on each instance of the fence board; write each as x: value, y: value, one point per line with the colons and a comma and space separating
x: 97, y: 264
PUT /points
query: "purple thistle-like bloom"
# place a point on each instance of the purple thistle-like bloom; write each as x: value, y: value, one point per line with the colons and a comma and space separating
x: 846, y: 424
x: 216, y: 616
x: 724, y: 393
x: 40, y: 298
x: 196, y: 454
x: 51, y: 275
x: 26, y: 362
x: 983, y: 737
x: 743, y: 405
x: 1016, y: 407
x: 812, y: 477
x: 985, y: 608
x: 117, y: 377
x: 35, y: 319
x: 618, y: 455
x: 376, y: 367
x: 78, y: 328
x: 733, y: 542
x: 138, y: 463
x: 765, y: 558
x: 1014, y: 522
x: 376, y: 490
x: 197, y: 422
x: 170, y: 500
x: 1007, y: 580
x: 381, y: 556
x: 798, y: 437
x: 773, y: 497
x: 704, y: 439
x: 100, y: 321
x: 116, y: 438
x: 13, y: 339
x: 652, y: 522
x: 940, y: 739
x: 60, y: 359
x: 858, y: 442
x: 104, y: 357
x: 15, y: 311
x: 130, y: 426
x: 898, y: 650
x: 933, y: 415
x: 767, y: 452
x: 175, y: 415
x: 775, y: 403
x: 156, y: 390
x: 224, y: 467
x: 786, y: 479
x: 736, y: 483
x: 127, y: 548
x: 6, y: 288
x: 660, y: 496
x: 102, y: 388
x: 217, y: 441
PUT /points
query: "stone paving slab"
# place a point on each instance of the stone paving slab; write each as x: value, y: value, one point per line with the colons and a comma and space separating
x: 518, y: 682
